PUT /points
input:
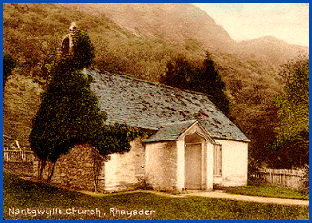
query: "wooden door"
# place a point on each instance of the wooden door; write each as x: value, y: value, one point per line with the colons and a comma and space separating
x: 193, y: 166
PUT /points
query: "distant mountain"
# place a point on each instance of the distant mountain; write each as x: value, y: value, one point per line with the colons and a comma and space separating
x: 187, y: 27
x: 173, y: 22
x: 274, y: 50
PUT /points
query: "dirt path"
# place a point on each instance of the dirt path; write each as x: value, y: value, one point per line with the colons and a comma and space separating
x: 270, y: 200
x: 222, y: 195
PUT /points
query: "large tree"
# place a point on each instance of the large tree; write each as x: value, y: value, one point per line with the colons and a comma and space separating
x: 292, y: 145
x: 294, y: 103
x: 69, y: 113
x: 178, y: 72
x: 210, y: 82
x: 206, y: 79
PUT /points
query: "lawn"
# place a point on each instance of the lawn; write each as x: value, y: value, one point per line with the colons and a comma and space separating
x: 269, y: 191
x: 27, y: 200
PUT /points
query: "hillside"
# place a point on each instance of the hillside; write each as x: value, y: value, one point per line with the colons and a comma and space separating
x: 139, y: 40
x: 272, y: 49
x: 175, y: 23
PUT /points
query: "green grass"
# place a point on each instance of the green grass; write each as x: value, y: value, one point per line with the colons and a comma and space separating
x: 270, y: 191
x: 23, y: 194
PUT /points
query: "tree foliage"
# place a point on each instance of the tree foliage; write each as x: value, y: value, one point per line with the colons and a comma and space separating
x: 8, y: 65
x: 84, y: 51
x: 69, y: 113
x: 178, y: 73
x: 294, y: 104
x: 210, y: 82
x: 262, y: 131
x: 292, y: 146
x: 206, y: 79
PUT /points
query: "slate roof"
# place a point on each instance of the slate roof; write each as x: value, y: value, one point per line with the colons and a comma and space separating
x: 138, y: 103
x: 171, y: 131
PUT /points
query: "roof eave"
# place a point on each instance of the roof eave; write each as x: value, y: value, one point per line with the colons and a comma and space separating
x: 225, y: 138
x: 153, y: 141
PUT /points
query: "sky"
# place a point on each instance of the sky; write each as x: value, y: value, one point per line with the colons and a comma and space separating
x: 243, y: 21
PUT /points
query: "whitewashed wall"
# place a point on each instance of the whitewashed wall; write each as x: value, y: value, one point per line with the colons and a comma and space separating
x: 124, y: 171
x: 234, y: 163
x: 161, y: 165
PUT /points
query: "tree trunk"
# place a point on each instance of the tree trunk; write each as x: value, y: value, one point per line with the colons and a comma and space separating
x: 97, y: 158
x: 42, y: 164
x: 51, y: 172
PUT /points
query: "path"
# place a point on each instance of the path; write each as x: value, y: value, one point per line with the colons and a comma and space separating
x: 223, y: 195
x: 215, y: 194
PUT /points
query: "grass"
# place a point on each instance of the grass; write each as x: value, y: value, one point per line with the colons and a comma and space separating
x: 263, y: 189
x: 270, y: 191
x: 20, y: 194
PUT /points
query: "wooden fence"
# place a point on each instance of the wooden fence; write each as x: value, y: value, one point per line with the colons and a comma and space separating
x: 282, y: 177
x: 18, y: 161
x: 10, y: 155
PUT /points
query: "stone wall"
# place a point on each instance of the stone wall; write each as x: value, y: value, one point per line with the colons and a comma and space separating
x: 161, y: 165
x: 24, y: 169
x: 74, y: 169
x: 121, y: 172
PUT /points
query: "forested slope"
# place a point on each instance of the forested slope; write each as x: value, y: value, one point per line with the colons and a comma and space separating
x: 139, y: 40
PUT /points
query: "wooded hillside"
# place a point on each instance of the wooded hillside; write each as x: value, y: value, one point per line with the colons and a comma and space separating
x: 139, y: 40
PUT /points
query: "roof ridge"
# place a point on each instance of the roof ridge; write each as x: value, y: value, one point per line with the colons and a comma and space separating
x: 180, y: 122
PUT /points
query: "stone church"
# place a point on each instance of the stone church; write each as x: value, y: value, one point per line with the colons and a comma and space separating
x: 193, y: 145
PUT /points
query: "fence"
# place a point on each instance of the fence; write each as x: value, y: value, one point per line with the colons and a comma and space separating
x: 18, y: 161
x: 282, y: 177
x: 10, y: 155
